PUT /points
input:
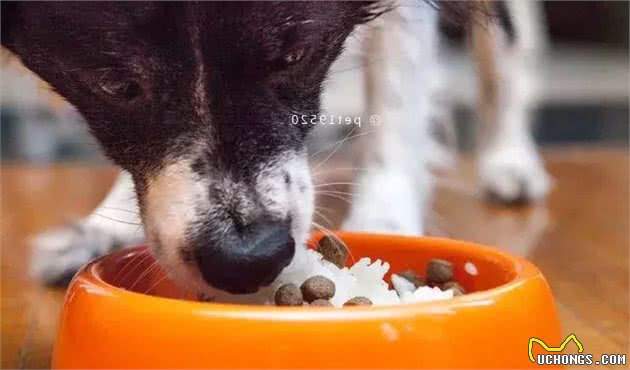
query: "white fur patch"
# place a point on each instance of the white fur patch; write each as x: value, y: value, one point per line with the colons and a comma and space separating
x: 171, y: 201
x: 282, y: 200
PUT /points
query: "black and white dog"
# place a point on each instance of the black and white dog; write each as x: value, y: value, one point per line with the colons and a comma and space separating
x: 195, y: 102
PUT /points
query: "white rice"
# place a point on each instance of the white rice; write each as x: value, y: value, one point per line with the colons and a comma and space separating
x: 364, y: 278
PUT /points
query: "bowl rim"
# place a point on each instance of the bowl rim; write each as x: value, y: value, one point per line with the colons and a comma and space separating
x: 524, y: 271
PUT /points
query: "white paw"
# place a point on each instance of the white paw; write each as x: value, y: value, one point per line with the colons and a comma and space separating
x: 385, y: 203
x: 513, y: 175
x: 57, y: 254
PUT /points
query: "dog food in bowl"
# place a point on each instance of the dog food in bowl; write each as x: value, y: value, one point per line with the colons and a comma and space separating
x: 317, y: 287
x: 145, y: 320
x: 358, y: 301
x: 320, y: 278
x: 289, y: 295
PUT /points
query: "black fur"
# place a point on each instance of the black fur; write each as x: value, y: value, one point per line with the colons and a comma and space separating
x: 129, y: 68
x: 213, y: 82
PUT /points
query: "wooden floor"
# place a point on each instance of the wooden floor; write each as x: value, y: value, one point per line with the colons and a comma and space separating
x: 579, y: 239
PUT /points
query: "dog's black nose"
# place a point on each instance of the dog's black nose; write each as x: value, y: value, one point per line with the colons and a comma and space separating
x: 248, y: 261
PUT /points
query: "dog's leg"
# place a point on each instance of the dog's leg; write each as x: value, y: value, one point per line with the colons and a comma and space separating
x: 57, y: 254
x: 510, y: 167
x: 394, y: 184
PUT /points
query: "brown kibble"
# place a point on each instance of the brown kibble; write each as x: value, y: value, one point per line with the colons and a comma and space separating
x: 411, y: 276
x: 457, y: 289
x: 321, y: 303
x: 439, y: 271
x: 289, y: 295
x: 358, y: 301
x: 317, y: 287
x: 333, y: 251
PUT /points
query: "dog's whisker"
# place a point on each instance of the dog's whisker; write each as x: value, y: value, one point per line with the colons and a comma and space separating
x: 337, y: 197
x: 146, y: 256
x: 335, y: 184
x: 323, y: 208
x: 116, y: 220
x: 341, y: 169
x: 133, y: 199
x: 356, y: 67
x: 350, y: 194
x: 326, y: 219
x: 129, y: 262
x: 121, y: 210
x: 144, y: 274
x: 339, y: 146
x: 158, y: 281
x: 333, y: 145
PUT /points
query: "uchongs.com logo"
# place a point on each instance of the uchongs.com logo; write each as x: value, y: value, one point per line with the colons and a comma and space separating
x: 554, y: 355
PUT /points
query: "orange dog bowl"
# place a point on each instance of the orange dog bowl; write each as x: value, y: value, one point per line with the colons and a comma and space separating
x: 120, y: 312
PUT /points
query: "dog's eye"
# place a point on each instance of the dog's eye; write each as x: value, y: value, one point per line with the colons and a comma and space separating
x: 294, y: 56
x: 120, y: 88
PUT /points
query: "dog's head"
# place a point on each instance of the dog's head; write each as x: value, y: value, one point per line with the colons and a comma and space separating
x: 195, y: 101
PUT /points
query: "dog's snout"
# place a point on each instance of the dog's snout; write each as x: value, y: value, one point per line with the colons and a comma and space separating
x: 248, y: 261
